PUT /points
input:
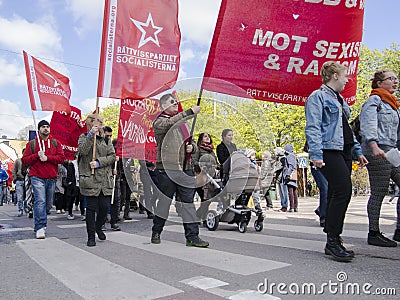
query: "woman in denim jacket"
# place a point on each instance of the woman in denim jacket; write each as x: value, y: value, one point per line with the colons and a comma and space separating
x: 331, y: 145
x: 379, y: 123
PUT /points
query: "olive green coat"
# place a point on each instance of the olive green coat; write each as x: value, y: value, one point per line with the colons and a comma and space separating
x: 102, y: 180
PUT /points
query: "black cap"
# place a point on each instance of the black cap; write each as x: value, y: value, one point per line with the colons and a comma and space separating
x: 43, y: 123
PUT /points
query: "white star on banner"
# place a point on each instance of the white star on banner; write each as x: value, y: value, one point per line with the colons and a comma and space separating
x: 152, y: 37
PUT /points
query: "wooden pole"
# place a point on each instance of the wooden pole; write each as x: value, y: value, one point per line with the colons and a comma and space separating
x: 115, y: 178
x: 94, y: 139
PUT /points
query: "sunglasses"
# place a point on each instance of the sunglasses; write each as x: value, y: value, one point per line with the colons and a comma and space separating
x: 391, y: 78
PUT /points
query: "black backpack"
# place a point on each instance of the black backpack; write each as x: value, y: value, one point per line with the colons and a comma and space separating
x: 356, y: 126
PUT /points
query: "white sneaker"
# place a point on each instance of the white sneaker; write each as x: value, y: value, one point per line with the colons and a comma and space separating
x: 70, y: 217
x: 58, y: 212
x: 41, y: 233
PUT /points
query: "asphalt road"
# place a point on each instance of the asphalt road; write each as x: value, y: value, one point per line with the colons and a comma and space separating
x: 283, y: 261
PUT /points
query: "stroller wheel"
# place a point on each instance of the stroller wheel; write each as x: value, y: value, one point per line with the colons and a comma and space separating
x: 258, y: 226
x: 242, y: 227
x: 212, y: 220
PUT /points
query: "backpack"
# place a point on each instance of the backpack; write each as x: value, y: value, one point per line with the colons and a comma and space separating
x: 356, y: 125
x: 32, y: 144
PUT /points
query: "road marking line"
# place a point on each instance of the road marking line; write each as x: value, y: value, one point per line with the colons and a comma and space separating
x: 90, y: 276
x: 258, y: 238
x: 204, y: 283
x: 216, y: 259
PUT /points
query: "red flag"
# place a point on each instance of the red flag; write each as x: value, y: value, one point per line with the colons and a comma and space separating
x: 66, y: 128
x: 135, y: 129
x: 48, y: 89
x: 275, y: 52
x: 140, y: 48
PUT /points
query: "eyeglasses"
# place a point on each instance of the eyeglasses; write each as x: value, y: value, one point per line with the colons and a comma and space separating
x: 173, y: 101
x: 391, y: 78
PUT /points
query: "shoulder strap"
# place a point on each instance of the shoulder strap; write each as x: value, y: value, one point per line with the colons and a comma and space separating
x: 54, y: 142
x: 32, y: 144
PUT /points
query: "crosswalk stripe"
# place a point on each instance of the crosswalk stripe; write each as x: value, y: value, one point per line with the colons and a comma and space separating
x: 204, y: 283
x: 72, y: 226
x: 310, y: 230
x: 257, y: 238
x: 90, y: 276
x: 213, y: 286
x: 16, y: 229
x: 216, y: 259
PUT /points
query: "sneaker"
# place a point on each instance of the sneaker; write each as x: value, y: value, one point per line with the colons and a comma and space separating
x: 41, y: 234
x: 58, y: 211
x: 155, y: 238
x: 70, y: 217
x: 115, y: 227
x: 91, y: 243
x: 283, y: 209
x: 197, y: 242
x: 291, y: 210
x: 380, y: 240
x: 101, y: 235
x: 83, y: 218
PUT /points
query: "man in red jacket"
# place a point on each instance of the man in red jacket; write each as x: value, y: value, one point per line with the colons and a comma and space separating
x: 43, y: 155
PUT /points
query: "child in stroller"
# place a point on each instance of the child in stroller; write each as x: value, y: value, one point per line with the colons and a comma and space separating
x: 239, y: 182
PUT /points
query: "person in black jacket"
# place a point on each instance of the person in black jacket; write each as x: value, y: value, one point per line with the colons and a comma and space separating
x: 224, y: 151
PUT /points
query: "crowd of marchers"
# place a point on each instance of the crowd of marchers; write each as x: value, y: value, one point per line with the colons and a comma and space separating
x: 100, y: 184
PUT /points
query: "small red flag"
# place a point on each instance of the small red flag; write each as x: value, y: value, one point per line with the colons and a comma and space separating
x: 66, y: 128
x: 48, y: 89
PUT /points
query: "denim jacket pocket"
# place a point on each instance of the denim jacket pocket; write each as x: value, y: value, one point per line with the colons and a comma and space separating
x: 332, y: 112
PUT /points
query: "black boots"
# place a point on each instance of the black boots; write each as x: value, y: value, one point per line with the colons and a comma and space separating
x: 334, y: 247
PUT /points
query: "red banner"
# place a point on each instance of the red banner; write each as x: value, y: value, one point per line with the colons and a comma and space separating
x: 48, y: 89
x: 135, y: 129
x: 140, y: 48
x: 273, y: 50
x: 66, y: 128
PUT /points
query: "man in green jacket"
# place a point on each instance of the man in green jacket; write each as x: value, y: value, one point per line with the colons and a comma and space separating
x: 172, y: 134
x: 95, y: 176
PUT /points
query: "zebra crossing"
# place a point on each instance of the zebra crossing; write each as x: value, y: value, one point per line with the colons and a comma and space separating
x: 185, y: 272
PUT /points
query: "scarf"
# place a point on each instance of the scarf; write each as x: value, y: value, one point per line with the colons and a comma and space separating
x: 207, y: 147
x: 393, y: 101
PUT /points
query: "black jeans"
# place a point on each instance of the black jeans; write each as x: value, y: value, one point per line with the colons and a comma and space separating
x: 337, y: 171
x: 96, y: 204
x: 184, y: 192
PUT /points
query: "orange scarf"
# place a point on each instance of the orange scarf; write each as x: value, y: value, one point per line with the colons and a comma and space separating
x: 393, y: 101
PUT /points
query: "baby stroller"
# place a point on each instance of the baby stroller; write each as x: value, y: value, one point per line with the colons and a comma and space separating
x: 238, y: 186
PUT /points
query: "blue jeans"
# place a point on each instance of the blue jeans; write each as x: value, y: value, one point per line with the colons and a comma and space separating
x: 43, y: 192
x: 322, y: 185
x: 20, y: 191
x: 283, y: 194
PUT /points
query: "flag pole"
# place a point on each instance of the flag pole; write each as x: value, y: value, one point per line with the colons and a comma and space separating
x: 37, y: 131
x: 192, y: 129
x: 94, y: 139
